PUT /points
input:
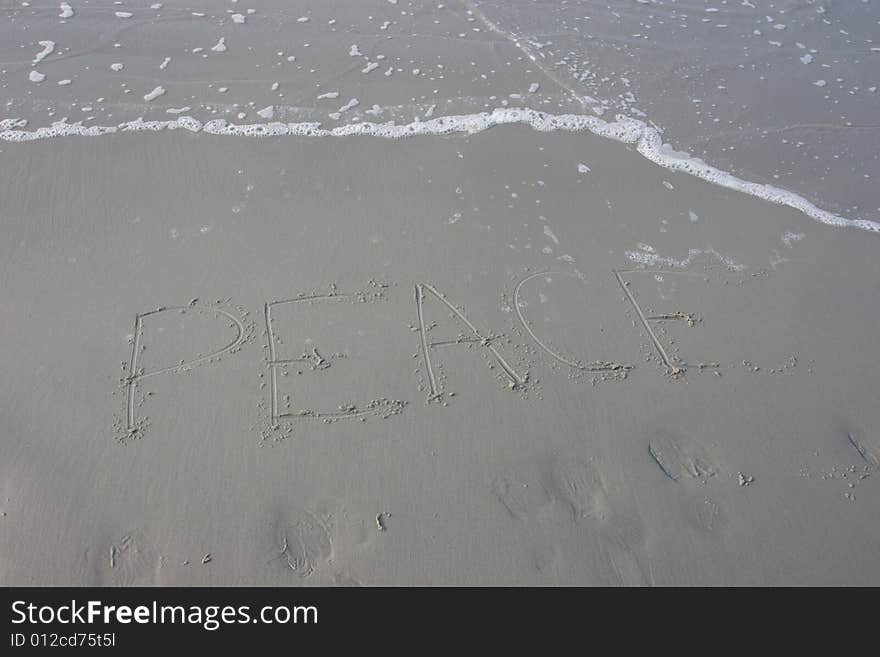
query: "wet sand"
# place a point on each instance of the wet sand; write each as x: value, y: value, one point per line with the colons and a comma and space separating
x: 504, y: 358
x: 750, y: 466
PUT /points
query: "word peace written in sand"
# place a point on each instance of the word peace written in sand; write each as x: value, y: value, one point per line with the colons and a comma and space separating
x: 363, y: 350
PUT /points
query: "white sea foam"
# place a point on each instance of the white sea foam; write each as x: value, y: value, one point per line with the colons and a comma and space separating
x: 66, y: 10
x: 645, y: 138
x: 646, y: 255
x: 48, y: 49
x: 790, y: 238
x: 154, y: 94
x: 354, y: 102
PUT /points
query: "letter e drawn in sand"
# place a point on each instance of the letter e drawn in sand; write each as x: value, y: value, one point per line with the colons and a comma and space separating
x: 515, y: 381
x: 674, y: 366
x: 318, y: 362
x: 134, y: 375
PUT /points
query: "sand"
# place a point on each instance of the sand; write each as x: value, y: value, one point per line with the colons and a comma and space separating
x: 512, y: 357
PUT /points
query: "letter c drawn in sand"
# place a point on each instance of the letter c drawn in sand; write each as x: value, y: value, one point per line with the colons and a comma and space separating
x: 597, y: 366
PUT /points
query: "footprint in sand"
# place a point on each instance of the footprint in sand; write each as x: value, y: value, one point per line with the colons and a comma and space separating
x: 627, y: 566
x: 617, y: 527
x: 681, y: 457
x: 571, y: 495
x: 304, y: 542
x: 130, y: 561
x: 623, y: 543
x: 522, y: 500
x: 579, y: 485
x: 684, y: 460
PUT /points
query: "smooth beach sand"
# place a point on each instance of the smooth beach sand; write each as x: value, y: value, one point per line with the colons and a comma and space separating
x: 503, y: 358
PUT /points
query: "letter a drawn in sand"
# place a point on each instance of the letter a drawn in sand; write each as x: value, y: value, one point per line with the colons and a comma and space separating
x: 515, y: 381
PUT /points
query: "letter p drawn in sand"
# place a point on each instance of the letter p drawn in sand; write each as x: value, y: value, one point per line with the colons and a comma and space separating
x: 134, y: 376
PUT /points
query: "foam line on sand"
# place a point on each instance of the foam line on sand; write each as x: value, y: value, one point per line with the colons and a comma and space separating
x: 647, y: 140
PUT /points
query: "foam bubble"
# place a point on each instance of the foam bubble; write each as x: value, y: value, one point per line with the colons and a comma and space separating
x: 10, y: 124
x: 646, y: 255
x: 354, y: 102
x: 154, y: 94
x: 48, y: 49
